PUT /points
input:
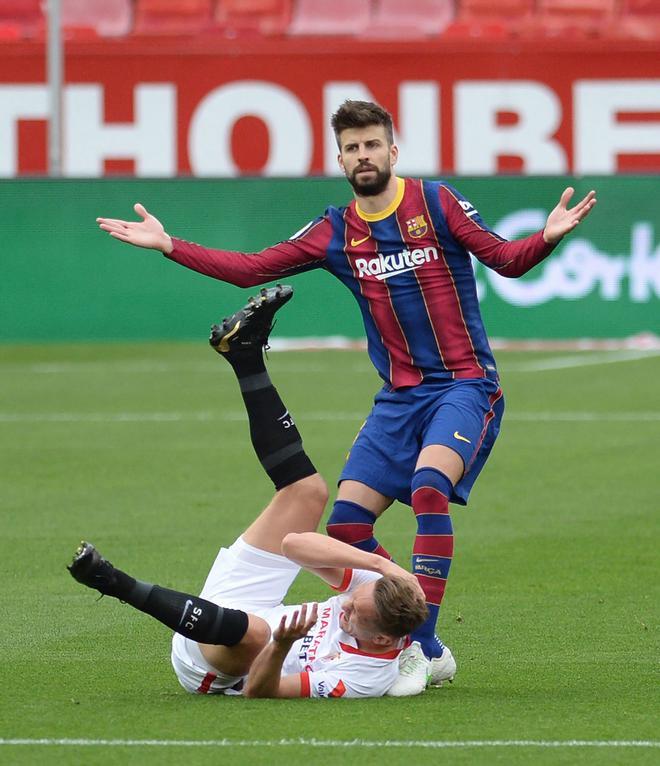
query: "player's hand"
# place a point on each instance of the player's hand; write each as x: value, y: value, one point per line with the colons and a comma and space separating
x: 299, y: 626
x: 390, y: 568
x: 562, y: 219
x: 148, y: 232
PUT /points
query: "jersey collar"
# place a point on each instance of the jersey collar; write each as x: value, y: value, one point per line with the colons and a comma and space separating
x: 391, y: 655
x: 394, y: 204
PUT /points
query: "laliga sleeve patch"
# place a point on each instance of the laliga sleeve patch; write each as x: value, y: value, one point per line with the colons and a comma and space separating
x: 339, y: 690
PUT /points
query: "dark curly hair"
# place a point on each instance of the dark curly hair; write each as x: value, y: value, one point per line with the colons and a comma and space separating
x: 361, y: 114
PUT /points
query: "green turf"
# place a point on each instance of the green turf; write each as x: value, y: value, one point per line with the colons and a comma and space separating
x: 551, y: 609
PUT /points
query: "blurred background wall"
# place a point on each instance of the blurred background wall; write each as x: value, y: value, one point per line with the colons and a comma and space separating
x: 214, y: 114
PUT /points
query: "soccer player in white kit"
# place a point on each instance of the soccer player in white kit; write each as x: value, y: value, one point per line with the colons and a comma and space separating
x: 237, y: 636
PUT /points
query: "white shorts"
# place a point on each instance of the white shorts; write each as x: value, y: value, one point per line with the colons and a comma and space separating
x: 242, y: 577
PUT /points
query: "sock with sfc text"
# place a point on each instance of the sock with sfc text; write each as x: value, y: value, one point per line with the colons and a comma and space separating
x: 188, y: 615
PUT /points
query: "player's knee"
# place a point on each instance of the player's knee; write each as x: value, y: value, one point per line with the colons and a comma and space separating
x: 312, y: 491
x: 257, y: 635
x: 433, y: 478
x: 350, y: 522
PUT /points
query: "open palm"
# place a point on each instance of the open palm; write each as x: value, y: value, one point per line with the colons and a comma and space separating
x: 148, y: 232
x: 564, y: 219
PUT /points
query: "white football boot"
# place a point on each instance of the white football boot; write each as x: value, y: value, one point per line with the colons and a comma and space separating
x: 414, y: 670
x: 443, y: 668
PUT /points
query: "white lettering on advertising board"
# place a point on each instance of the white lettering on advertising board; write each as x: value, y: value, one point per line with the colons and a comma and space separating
x: 578, y: 268
x: 599, y: 135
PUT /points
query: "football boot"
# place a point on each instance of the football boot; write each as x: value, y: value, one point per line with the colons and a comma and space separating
x: 250, y: 326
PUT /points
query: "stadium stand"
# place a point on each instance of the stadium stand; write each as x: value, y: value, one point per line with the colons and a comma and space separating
x: 575, y: 18
x: 105, y: 18
x: 172, y: 17
x: 255, y: 17
x: 330, y: 17
x: 372, y: 20
x: 415, y: 18
x: 491, y: 18
x: 20, y: 18
x: 639, y: 19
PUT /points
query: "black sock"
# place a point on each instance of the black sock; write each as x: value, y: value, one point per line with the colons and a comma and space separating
x: 191, y: 616
x: 275, y: 438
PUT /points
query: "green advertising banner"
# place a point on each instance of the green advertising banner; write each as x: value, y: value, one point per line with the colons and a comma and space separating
x: 63, y: 279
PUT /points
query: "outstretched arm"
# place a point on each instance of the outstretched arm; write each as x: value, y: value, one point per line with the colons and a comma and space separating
x: 329, y: 558
x: 301, y: 253
x: 149, y: 232
x: 515, y: 258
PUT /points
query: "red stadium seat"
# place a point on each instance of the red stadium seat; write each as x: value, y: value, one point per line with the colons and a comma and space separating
x: 415, y: 18
x: 495, y: 9
x: 107, y: 18
x: 172, y: 17
x: 639, y: 19
x: 330, y: 17
x: 574, y: 18
x: 491, y: 18
x: 26, y: 16
x: 264, y: 17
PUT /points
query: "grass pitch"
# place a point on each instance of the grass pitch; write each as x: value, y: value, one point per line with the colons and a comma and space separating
x: 551, y: 609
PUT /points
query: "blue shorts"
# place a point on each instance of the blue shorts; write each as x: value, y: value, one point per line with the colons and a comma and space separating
x: 464, y: 415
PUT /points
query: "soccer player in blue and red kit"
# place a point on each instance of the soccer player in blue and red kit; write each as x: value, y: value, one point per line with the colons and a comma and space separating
x: 402, y: 247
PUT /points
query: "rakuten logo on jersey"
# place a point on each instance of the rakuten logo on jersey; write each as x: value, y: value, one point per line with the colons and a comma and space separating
x: 386, y: 266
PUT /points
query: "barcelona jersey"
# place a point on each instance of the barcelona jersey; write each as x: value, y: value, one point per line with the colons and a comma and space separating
x: 409, y: 269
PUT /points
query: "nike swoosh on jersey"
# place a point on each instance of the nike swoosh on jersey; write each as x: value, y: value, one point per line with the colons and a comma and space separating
x: 462, y: 438
x: 356, y: 242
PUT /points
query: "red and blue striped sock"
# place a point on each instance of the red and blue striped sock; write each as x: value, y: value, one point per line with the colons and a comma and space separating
x: 353, y: 524
x: 433, y: 547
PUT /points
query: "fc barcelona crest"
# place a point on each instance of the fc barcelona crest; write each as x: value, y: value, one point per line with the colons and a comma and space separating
x: 417, y: 226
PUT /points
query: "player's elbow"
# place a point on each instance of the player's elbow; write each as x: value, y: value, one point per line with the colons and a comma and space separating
x: 511, y: 270
x: 290, y: 544
x: 248, y: 280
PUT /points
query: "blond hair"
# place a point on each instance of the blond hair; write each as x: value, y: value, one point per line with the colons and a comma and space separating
x: 400, y: 605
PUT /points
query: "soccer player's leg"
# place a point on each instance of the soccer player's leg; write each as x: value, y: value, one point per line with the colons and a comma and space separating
x: 241, y: 635
x: 252, y: 571
x: 376, y: 471
x: 456, y: 445
x: 354, y: 514
x: 240, y: 339
x: 301, y: 492
x: 379, y: 468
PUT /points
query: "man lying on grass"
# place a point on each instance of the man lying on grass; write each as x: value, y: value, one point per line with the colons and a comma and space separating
x: 237, y: 636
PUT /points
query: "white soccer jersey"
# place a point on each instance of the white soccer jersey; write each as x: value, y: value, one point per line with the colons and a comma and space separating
x: 328, y: 659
